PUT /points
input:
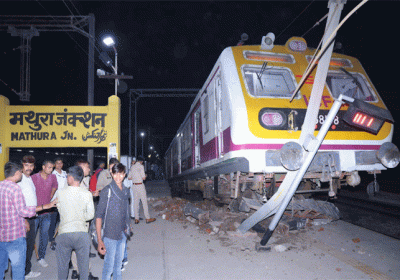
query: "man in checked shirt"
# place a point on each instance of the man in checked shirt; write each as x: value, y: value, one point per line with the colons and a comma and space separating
x: 12, y: 223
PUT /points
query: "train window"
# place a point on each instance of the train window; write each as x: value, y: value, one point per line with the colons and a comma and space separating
x: 186, y: 138
x: 206, y: 115
x: 350, y: 84
x: 269, y: 81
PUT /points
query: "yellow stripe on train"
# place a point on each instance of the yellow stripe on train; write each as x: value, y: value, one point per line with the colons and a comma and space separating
x: 282, y: 57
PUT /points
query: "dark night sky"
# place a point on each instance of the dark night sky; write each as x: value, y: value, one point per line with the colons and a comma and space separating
x: 175, y: 45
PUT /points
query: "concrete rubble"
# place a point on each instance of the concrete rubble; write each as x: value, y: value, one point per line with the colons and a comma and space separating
x: 222, y: 223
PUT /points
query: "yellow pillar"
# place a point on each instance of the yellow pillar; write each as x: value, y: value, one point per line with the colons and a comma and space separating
x: 114, y: 140
x: 4, y: 149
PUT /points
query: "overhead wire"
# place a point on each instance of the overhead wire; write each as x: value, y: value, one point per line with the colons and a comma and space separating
x: 72, y: 37
x: 316, y: 24
x: 276, y: 38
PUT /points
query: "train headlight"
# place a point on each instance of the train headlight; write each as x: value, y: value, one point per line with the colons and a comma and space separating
x: 291, y: 156
x: 271, y: 119
x: 267, y: 42
x: 389, y: 155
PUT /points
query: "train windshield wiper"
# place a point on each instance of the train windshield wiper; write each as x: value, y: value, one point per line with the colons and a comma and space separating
x: 259, y: 75
x: 355, y: 81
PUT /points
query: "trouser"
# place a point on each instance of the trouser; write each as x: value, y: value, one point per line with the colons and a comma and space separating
x: 113, y: 258
x: 132, y: 202
x: 74, y: 260
x: 54, y: 218
x: 66, y: 243
x: 73, y: 256
x: 43, y: 222
x: 30, y: 244
x: 139, y: 193
x: 16, y: 252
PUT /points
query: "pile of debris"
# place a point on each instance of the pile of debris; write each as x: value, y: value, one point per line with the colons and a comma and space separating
x: 221, y: 221
x: 210, y: 218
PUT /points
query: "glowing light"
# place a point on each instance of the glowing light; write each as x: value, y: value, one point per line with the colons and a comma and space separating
x: 270, y: 57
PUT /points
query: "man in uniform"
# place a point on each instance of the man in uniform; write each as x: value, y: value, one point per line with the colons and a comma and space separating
x: 137, y: 175
x: 105, y: 177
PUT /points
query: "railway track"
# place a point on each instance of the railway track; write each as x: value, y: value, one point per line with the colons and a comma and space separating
x: 380, y: 213
x: 383, y: 203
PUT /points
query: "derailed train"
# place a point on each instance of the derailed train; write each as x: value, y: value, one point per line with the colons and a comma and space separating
x: 229, y: 144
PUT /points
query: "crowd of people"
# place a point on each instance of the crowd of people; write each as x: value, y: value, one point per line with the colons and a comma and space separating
x: 60, y: 206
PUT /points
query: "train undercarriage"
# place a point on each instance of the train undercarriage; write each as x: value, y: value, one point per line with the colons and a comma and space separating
x: 244, y: 192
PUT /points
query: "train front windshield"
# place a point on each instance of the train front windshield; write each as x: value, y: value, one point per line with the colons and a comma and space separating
x: 276, y: 82
x: 350, y: 84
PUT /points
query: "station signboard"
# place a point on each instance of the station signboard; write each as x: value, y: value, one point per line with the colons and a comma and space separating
x: 59, y: 126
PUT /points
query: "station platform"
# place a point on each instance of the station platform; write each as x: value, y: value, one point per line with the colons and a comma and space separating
x: 177, y: 250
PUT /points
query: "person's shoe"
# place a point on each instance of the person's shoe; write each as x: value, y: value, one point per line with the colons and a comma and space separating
x: 43, y: 263
x: 53, y: 245
x: 75, y: 274
x: 124, y: 262
x: 122, y: 267
x: 92, y: 255
x: 148, y: 221
x: 32, y: 274
x: 91, y: 277
x: 136, y: 221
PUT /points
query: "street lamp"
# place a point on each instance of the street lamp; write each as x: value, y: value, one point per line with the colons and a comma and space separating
x: 142, y: 135
x: 109, y: 42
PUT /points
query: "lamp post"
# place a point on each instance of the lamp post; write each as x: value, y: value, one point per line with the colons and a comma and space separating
x: 142, y: 135
x: 109, y: 42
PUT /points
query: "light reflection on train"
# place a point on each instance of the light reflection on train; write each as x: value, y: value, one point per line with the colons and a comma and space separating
x: 229, y: 143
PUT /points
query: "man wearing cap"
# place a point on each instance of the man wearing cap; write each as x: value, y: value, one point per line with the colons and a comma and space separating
x: 137, y: 175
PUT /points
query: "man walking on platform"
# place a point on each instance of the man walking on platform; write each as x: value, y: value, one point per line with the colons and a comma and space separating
x: 75, y: 205
x: 12, y: 223
x: 29, y: 192
x: 137, y: 175
x: 84, y: 184
x: 46, y: 185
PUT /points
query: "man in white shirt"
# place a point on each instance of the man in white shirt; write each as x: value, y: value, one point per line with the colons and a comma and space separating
x: 76, y: 208
x: 29, y: 191
x: 62, y: 182
x: 84, y: 184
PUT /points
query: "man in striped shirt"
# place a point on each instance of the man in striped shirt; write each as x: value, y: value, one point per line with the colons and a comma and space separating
x: 12, y: 224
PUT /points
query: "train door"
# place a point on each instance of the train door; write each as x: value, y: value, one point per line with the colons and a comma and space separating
x: 196, y: 128
x: 218, y: 114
